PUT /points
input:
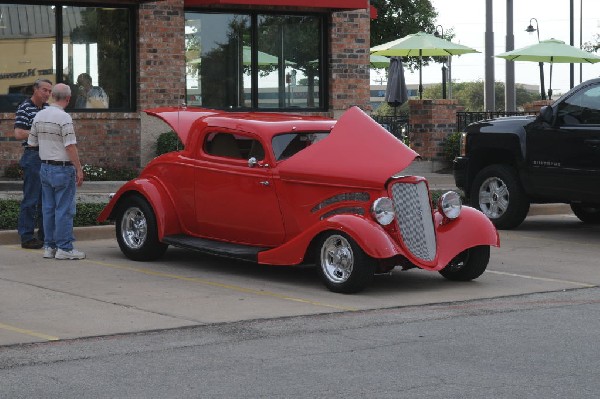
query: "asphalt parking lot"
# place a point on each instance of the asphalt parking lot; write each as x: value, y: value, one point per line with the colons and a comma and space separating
x: 106, y: 294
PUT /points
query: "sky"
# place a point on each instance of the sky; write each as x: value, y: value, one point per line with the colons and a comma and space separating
x: 467, y: 19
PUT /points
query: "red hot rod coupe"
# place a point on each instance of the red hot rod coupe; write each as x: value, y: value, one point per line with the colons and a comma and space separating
x: 284, y: 189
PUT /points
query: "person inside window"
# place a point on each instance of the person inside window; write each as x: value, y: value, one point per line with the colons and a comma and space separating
x: 90, y: 96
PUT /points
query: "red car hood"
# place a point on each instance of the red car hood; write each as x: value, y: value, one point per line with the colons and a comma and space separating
x: 358, y: 151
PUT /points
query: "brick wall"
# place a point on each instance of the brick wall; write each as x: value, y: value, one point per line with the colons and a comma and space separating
x: 536, y: 105
x: 430, y: 122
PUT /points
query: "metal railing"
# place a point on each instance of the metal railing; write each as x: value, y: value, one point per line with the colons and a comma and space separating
x: 463, y: 119
x: 396, y: 125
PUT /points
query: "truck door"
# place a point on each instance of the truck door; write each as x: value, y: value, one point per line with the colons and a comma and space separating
x: 564, y: 159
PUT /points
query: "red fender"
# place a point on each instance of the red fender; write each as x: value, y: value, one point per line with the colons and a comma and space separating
x: 152, y: 190
x: 470, y: 229
x: 369, y: 235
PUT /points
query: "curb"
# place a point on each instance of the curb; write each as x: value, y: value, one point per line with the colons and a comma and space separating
x: 11, y: 237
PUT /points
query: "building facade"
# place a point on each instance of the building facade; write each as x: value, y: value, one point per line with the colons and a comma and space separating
x: 301, y: 56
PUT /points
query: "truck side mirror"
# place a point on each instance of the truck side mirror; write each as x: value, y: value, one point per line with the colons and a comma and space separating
x: 546, y: 114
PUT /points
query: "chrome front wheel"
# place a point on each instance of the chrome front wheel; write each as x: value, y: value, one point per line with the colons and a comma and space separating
x: 343, y: 265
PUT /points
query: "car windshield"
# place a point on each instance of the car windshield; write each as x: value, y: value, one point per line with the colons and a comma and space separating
x: 288, y: 144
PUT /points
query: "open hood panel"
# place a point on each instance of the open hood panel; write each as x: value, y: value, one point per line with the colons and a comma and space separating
x: 357, y: 151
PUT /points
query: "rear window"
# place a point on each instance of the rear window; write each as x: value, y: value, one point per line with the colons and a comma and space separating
x: 288, y: 144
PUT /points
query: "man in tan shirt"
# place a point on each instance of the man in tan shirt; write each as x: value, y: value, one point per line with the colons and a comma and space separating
x: 52, y: 130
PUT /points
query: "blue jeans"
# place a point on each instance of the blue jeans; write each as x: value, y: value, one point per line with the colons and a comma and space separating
x: 58, y: 205
x: 30, y: 213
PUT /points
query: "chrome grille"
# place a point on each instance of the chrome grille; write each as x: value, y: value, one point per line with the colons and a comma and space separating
x: 413, y: 214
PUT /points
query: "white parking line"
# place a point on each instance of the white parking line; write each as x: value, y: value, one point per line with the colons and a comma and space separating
x: 554, y: 280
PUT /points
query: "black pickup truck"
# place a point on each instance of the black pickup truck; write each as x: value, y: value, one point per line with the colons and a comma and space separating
x: 508, y: 163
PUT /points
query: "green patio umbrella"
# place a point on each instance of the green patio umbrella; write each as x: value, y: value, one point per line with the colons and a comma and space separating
x: 552, y: 51
x: 379, y: 61
x: 421, y: 45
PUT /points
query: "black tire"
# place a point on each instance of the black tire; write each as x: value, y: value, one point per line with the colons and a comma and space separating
x: 343, y: 265
x: 137, y: 232
x: 497, y: 192
x: 587, y: 213
x: 467, y: 265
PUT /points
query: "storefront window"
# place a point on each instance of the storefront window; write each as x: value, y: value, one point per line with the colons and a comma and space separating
x: 237, y: 61
x: 92, y: 54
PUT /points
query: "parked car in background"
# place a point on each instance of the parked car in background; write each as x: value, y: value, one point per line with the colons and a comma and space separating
x: 284, y: 189
x: 508, y: 163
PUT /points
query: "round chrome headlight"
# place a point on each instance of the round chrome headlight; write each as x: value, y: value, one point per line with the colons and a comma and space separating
x: 450, y: 205
x: 383, y: 211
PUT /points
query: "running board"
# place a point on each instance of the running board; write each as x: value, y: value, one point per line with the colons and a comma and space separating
x: 212, y: 247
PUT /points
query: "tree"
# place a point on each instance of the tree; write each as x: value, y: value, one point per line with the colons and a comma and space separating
x: 398, y: 18
x: 470, y: 95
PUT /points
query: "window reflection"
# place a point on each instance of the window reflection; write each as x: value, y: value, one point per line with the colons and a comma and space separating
x: 224, y: 66
x: 93, y: 57
x: 27, y: 38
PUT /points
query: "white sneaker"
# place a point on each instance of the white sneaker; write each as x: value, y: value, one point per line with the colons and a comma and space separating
x: 72, y: 254
x: 49, y: 252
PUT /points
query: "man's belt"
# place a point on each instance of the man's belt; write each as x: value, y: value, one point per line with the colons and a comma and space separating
x: 29, y: 148
x: 58, y: 163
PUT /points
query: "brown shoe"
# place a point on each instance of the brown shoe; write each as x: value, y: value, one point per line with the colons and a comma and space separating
x: 34, y: 243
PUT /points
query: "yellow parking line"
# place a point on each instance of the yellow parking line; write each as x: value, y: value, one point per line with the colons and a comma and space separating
x: 221, y: 285
x: 28, y: 332
x: 543, y: 278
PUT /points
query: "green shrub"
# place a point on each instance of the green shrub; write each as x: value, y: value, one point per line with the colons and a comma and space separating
x: 168, y: 142
x: 108, y: 173
x: 9, y: 213
x: 13, y: 171
x: 451, y: 146
x: 86, y: 214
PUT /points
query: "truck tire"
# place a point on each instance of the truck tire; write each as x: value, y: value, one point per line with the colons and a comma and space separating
x: 587, y: 213
x: 497, y: 192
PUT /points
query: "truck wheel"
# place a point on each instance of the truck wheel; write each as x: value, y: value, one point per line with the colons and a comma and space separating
x: 467, y: 265
x: 497, y: 193
x: 137, y: 232
x: 343, y: 265
x: 587, y: 213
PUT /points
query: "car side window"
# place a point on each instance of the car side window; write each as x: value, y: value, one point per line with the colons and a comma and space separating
x: 288, y: 144
x: 230, y: 145
x: 583, y: 108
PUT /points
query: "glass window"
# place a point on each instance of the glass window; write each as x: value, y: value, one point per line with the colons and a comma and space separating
x: 581, y: 108
x: 288, y: 61
x: 233, y: 146
x: 218, y: 60
x: 27, y: 45
x: 254, y: 61
x: 92, y: 54
x: 288, y: 144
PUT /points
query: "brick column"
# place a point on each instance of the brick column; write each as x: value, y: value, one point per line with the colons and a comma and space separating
x: 536, y: 105
x: 161, y: 54
x: 430, y: 122
x: 349, y: 62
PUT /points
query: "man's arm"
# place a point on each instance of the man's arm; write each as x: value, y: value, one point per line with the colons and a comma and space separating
x: 74, y: 158
x: 21, y: 134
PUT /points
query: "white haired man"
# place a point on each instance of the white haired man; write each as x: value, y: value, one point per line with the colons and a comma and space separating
x: 52, y: 130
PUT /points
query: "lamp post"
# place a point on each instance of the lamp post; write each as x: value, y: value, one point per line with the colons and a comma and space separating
x: 531, y: 29
x: 441, y: 35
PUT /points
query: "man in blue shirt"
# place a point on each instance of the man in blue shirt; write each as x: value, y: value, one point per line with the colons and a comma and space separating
x: 31, y: 205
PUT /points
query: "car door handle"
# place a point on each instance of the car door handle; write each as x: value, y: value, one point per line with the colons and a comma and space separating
x: 265, y: 183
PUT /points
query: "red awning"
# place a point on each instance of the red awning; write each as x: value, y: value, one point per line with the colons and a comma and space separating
x: 331, y: 4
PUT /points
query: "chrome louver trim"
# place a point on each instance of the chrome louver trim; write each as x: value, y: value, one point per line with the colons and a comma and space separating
x: 344, y: 197
x: 414, y: 218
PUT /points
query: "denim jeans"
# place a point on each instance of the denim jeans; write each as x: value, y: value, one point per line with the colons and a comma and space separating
x: 30, y: 213
x: 58, y: 205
